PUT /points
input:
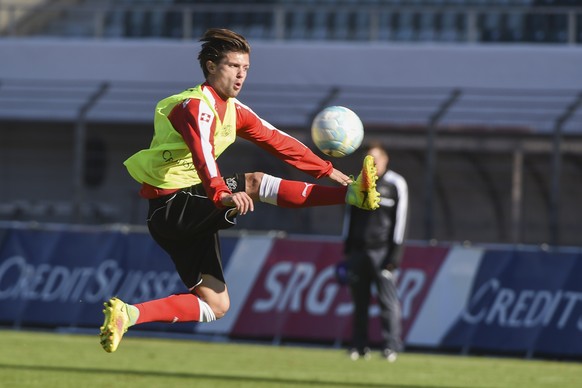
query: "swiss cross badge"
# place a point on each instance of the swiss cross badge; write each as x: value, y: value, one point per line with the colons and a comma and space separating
x: 205, y: 117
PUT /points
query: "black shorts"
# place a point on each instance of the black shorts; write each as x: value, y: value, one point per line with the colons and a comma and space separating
x: 186, y: 224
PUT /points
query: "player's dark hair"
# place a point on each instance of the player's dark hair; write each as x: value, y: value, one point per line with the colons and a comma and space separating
x: 376, y: 144
x: 217, y: 43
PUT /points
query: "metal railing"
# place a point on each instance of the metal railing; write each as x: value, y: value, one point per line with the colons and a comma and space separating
x: 507, y: 110
x: 292, y: 21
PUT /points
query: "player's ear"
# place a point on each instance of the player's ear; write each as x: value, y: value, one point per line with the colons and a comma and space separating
x: 211, y: 66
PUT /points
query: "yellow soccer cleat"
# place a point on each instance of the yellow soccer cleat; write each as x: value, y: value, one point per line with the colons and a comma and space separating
x: 115, y: 325
x: 362, y: 193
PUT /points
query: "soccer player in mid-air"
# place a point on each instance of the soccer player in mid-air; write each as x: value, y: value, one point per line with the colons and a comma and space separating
x: 190, y: 200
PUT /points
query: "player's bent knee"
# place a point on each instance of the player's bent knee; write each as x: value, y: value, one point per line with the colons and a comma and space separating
x: 214, y: 299
x: 221, y: 309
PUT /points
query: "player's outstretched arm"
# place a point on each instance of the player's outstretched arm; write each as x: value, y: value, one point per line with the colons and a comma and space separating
x: 340, y: 177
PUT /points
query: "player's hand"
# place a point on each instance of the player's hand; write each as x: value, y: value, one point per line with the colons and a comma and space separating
x: 340, y: 177
x: 240, y: 200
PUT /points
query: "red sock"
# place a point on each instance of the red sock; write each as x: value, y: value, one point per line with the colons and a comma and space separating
x: 174, y: 308
x: 301, y: 194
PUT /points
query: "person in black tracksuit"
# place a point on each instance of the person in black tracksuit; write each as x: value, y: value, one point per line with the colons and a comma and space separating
x: 373, y: 248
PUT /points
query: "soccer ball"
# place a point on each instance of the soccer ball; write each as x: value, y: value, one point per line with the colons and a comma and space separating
x: 337, y: 131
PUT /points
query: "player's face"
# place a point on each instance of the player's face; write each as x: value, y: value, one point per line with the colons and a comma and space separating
x: 228, y: 76
x: 381, y: 160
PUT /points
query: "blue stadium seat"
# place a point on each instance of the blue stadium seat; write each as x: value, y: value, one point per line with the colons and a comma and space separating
x: 404, y: 26
x: 385, y: 25
x: 319, y: 27
x: 297, y: 25
x: 490, y: 27
x: 427, y: 26
x: 362, y: 25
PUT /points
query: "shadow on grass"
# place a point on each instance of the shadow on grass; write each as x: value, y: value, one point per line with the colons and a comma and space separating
x: 258, y: 379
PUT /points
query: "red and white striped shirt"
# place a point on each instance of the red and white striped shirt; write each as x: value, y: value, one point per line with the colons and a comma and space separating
x: 188, y: 121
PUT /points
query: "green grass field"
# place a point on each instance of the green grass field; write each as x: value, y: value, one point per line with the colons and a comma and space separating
x: 33, y: 359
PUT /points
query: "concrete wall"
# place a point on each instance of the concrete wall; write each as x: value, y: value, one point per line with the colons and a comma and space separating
x: 372, y: 64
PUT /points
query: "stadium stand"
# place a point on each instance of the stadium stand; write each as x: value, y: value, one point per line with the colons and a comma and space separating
x: 542, y: 21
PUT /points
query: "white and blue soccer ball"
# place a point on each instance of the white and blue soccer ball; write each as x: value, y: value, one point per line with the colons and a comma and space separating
x: 337, y: 131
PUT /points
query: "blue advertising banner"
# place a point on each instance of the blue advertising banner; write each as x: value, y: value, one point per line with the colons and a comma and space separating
x: 526, y: 301
x: 56, y: 278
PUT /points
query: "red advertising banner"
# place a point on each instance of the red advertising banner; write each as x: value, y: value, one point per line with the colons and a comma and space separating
x: 296, y: 296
